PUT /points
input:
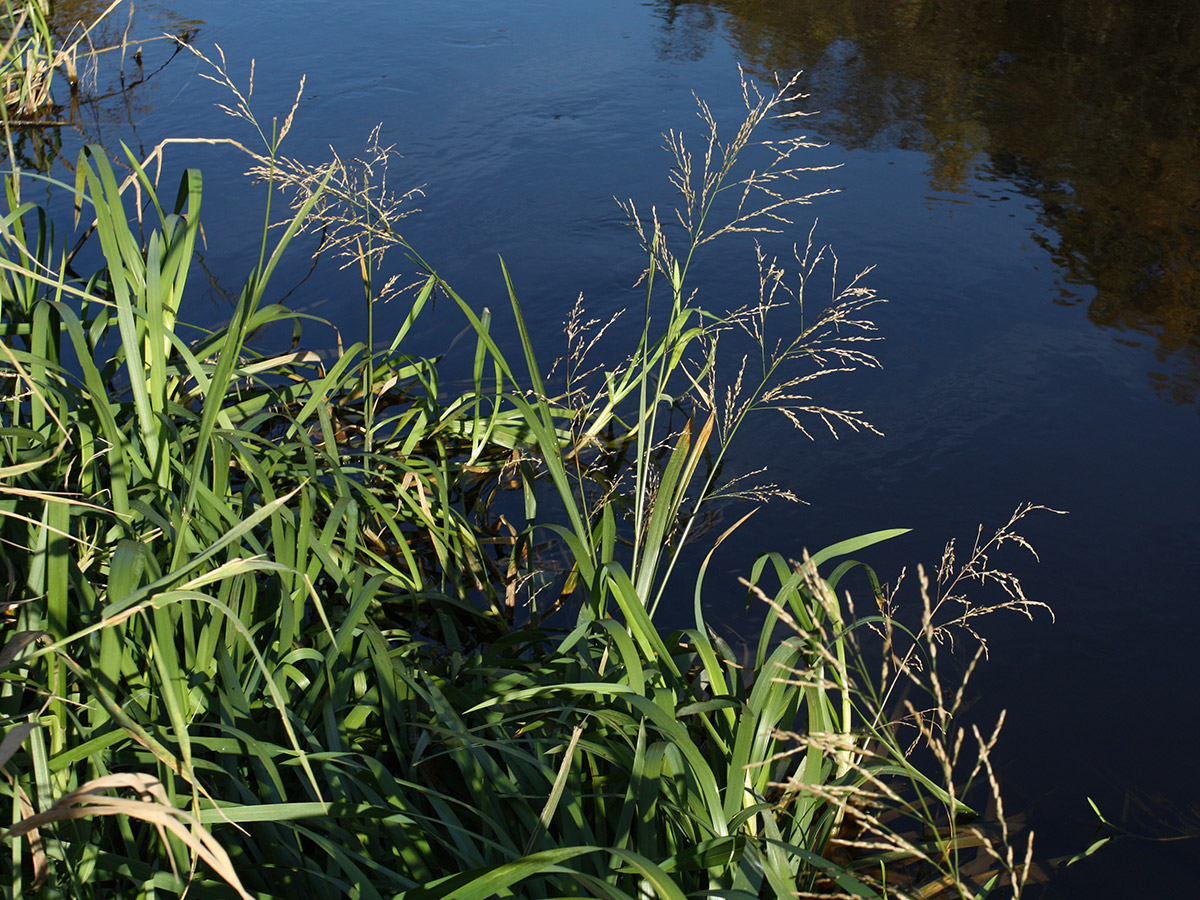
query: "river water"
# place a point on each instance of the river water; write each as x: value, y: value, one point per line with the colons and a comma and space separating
x: 1024, y: 176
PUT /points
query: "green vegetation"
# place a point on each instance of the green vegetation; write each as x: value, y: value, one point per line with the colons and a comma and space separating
x: 285, y: 625
x: 33, y: 57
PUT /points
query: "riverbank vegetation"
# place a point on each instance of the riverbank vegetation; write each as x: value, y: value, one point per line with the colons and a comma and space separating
x: 284, y: 622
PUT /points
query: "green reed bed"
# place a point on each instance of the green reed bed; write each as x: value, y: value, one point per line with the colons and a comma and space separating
x: 281, y: 624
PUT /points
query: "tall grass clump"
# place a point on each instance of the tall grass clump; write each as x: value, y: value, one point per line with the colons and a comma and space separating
x: 279, y: 622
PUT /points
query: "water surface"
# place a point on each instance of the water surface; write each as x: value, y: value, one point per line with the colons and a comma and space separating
x: 1024, y: 176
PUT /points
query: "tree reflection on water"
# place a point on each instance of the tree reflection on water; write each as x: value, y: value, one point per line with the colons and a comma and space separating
x: 1090, y: 106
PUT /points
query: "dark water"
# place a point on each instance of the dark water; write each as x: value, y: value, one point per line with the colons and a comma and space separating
x: 1025, y: 176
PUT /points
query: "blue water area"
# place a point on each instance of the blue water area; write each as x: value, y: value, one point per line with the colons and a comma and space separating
x: 1036, y: 243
